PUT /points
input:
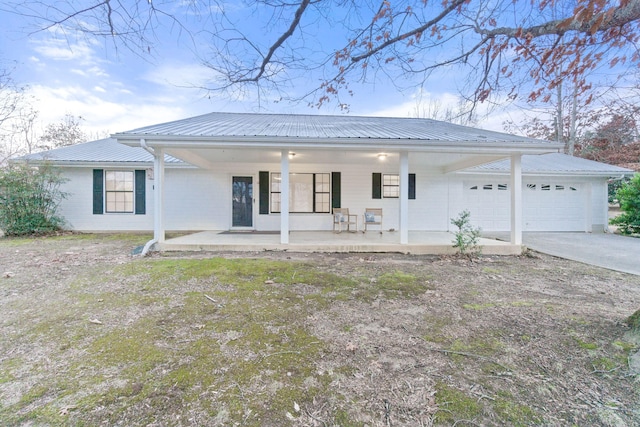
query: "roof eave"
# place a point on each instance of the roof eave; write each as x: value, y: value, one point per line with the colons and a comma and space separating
x: 98, y: 163
x: 173, y: 141
x: 599, y: 174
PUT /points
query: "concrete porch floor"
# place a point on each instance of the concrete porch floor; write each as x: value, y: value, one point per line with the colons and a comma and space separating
x: 420, y: 242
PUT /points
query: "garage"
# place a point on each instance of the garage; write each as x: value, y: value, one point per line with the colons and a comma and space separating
x: 548, y: 205
x: 489, y: 204
x: 553, y: 205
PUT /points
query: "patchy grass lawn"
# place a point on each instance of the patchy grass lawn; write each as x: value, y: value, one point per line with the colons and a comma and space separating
x: 93, y: 336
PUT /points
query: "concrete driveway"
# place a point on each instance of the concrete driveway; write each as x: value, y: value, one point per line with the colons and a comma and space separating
x: 610, y: 251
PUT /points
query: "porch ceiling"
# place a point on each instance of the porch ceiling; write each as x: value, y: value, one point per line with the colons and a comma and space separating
x: 207, y: 158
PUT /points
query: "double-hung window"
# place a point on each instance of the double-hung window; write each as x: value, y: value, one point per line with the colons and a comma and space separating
x: 390, y: 186
x: 308, y: 192
x: 118, y: 191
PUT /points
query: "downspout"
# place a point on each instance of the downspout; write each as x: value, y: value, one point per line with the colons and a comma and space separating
x: 153, y: 241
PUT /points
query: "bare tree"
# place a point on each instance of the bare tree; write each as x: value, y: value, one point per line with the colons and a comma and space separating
x: 63, y: 133
x: 16, y: 117
x: 11, y: 99
x: 517, y: 48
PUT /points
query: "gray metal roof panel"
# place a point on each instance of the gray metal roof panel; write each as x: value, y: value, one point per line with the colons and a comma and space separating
x: 323, y: 127
x: 101, y: 151
x: 553, y: 163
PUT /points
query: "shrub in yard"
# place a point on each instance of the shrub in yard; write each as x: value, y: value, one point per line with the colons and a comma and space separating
x: 29, y: 199
x: 634, y: 320
x: 613, y: 186
x: 466, y: 238
x: 628, y: 221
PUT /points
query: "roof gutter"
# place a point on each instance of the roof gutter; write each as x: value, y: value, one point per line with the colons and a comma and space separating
x: 471, y: 147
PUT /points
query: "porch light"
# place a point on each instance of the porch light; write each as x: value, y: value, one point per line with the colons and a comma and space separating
x: 382, y: 156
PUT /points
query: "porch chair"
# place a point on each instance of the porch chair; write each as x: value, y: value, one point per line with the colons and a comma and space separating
x: 372, y: 216
x: 343, y: 219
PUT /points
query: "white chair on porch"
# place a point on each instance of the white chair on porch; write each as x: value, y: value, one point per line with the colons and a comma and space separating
x: 372, y: 216
x: 342, y: 219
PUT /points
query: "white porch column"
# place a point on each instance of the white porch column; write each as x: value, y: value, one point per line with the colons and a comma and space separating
x: 284, y: 197
x: 158, y: 195
x: 404, y: 198
x: 516, y: 199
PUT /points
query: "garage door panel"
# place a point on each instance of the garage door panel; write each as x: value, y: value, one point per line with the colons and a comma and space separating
x: 549, y: 205
x: 488, y: 203
x: 553, y: 206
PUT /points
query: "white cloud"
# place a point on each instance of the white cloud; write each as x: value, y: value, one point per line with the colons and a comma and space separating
x: 180, y: 75
x: 103, y: 112
x: 62, y: 50
x: 424, y: 104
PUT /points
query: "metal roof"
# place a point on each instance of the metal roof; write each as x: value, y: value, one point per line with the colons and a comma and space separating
x: 289, y: 127
x: 101, y: 151
x: 553, y: 163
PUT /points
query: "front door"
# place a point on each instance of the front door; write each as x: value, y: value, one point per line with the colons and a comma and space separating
x: 242, y: 215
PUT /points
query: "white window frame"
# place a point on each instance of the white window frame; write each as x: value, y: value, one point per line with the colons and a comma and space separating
x: 308, y: 192
x: 120, y: 190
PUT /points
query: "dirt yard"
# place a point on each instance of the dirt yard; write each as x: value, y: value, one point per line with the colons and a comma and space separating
x: 91, y: 335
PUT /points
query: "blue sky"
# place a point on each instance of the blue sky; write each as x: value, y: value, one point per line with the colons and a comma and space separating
x: 116, y: 90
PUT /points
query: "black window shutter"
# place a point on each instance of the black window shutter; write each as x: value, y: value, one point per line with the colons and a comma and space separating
x: 140, y: 186
x: 98, y: 196
x: 376, y: 192
x: 263, y: 177
x: 412, y: 186
x: 335, y: 190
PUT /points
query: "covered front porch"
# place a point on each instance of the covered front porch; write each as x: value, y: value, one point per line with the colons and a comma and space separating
x: 420, y: 242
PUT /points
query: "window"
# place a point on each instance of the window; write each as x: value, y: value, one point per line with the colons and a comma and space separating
x: 119, y: 191
x: 322, y: 192
x: 275, y: 192
x: 391, y: 186
x: 308, y: 192
x: 388, y: 186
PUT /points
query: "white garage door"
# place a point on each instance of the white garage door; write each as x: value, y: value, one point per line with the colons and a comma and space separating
x: 551, y: 205
x: 489, y: 204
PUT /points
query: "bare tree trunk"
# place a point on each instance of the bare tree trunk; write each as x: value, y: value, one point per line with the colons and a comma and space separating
x: 559, y: 119
x: 574, y: 114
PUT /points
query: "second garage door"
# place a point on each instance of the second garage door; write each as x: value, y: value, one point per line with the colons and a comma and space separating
x: 553, y: 206
x: 547, y: 206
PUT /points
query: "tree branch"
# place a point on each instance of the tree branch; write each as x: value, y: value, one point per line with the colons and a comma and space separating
x: 613, y: 17
x: 421, y: 29
x: 267, y: 59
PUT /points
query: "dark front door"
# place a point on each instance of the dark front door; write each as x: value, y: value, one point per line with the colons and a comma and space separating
x: 242, y: 201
